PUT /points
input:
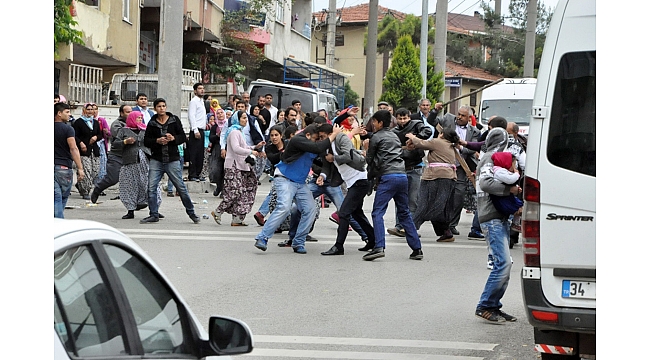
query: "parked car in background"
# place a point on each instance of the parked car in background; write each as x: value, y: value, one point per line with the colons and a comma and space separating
x: 112, y: 301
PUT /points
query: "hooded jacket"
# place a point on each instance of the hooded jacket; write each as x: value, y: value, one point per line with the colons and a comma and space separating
x: 486, y: 184
x: 169, y: 152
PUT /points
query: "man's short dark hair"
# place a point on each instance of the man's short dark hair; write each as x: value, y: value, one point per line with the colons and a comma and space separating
x: 296, y: 101
x: 402, y: 112
x: 498, y: 121
x: 325, y: 128
x: 137, y: 97
x: 240, y: 102
x: 158, y: 101
x: 196, y: 86
x: 288, y: 110
x: 311, y: 129
x: 382, y: 116
x: 290, y: 130
x: 122, y: 107
x: 60, y: 106
x: 320, y: 120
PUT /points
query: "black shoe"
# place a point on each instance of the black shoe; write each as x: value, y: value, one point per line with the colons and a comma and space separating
x: 149, y: 219
x: 93, y: 197
x: 161, y: 216
x: 416, y: 255
x: 334, y: 250
x: 116, y: 198
x: 475, y: 235
x: 216, y: 192
x: 309, y: 238
x: 397, y: 232
x: 129, y: 215
x: 368, y: 247
x: 195, y: 218
x: 170, y: 194
x: 453, y: 230
x: 278, y: 231
x: 376, y: 253
x: 286, y: 243
x: 140, y: 207
x: 490, y: 316
x: 508, y: 317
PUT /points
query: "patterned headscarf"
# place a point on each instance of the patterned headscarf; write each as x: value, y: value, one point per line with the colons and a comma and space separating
x: 235, y: 122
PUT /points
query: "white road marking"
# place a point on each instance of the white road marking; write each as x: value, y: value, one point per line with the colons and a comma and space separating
x: 322, y: 354
x: 373, y: 342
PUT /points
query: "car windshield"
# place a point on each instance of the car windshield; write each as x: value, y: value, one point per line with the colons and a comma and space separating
x: 518, y: 110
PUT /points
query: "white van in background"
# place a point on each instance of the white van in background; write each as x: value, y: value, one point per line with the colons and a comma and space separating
x: 283, y: 94
x: 512, y: 99
x: 559, y: 219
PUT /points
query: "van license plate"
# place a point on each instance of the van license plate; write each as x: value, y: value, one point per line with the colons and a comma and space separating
x: 579, y: 289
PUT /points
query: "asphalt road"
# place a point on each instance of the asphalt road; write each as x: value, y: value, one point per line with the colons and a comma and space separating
x: 337, y: 307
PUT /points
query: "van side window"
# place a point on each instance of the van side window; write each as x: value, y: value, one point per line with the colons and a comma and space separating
x: 572, y: 130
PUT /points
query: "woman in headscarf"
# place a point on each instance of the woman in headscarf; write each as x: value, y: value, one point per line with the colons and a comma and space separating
x: 436, y: 196
x: 134, y: 173
x: 102, y: 143
x: 240, y: 182
x: 216, y: 161
x: 214, y: 105
x: 207, y: 146
x: 87, y: 134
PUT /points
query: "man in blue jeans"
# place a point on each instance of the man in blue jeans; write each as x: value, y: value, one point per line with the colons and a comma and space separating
x: 163, y: 135
x: 385, y: 163
x: 496, y: 228
x: 289, y: 181
x: 65, y: 151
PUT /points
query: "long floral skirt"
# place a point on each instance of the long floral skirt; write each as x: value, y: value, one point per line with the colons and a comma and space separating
x: 239, y: 188
x: 134, y: 183
x: 91, y: 171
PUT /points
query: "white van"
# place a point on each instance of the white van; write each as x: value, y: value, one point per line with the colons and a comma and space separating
x: 559, y: 221
x: 283, y: 94
x: 512, y: 99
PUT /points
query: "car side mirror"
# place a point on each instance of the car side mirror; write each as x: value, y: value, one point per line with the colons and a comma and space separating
x: 229, y: 336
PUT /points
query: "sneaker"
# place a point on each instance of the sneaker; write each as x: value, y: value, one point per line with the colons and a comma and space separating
x: 490, y: 265
x: 310, y: 238
x: 376, y: 253
x: 397, y: 232
x: 490, y: 316
x: 509, y: 318
x: 195, y: 218
x: 334, y: 217
x: 416, y: 255
x: 259, y: 218
x: 446, y: 238
x: 261, y: 244
x: 475, y: 235
x: 149, y: 219
x: 300, y: 249
x: 170, y: 194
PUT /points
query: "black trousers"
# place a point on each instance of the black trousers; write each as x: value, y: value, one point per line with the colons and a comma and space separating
x: 195, y: 154
x: 459, y: 196
x: 113, y: 166
x: 353, y: 206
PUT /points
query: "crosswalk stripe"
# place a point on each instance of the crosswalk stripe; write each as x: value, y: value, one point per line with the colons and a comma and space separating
x: 373, y: 342
x: 356, y: 355
x: 245, y: 236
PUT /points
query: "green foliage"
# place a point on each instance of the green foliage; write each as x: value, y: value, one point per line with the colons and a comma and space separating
x: 403, y: 82
x: 351, y: 97
x: 64, y: 32
x: 435, y: 80
x: 389, y: 30
x: 519, y: 15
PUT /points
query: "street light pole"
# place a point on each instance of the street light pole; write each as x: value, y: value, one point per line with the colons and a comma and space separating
x: 440, y: 47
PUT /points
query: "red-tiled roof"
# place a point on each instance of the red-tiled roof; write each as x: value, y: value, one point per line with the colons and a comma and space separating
x: 453, y: 69
x: 358, y: 14
x: 466, y: 24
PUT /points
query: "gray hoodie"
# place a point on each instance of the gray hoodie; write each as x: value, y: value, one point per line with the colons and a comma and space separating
x: 486, y: 184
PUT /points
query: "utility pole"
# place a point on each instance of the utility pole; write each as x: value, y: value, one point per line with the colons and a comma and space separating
x: 440, y: 47
x: 331, y: 34
x: 529, y: 49
x: 371, y: 57
x: 170, y: 43
x: 497, y: 7
x: 424, y: 45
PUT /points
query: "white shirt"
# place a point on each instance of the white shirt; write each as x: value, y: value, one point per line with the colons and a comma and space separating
x: 349, y: 174
x: 146, y: 115
x: 196, y: 114
x: 274, y: 118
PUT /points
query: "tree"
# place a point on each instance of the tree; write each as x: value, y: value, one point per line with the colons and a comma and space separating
x: 403, y: 81
x: 351, y: 97
x: 519, y: 15
x: 64, y: 31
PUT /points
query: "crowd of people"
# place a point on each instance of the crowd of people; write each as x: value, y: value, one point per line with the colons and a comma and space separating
x: 432, y: 165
